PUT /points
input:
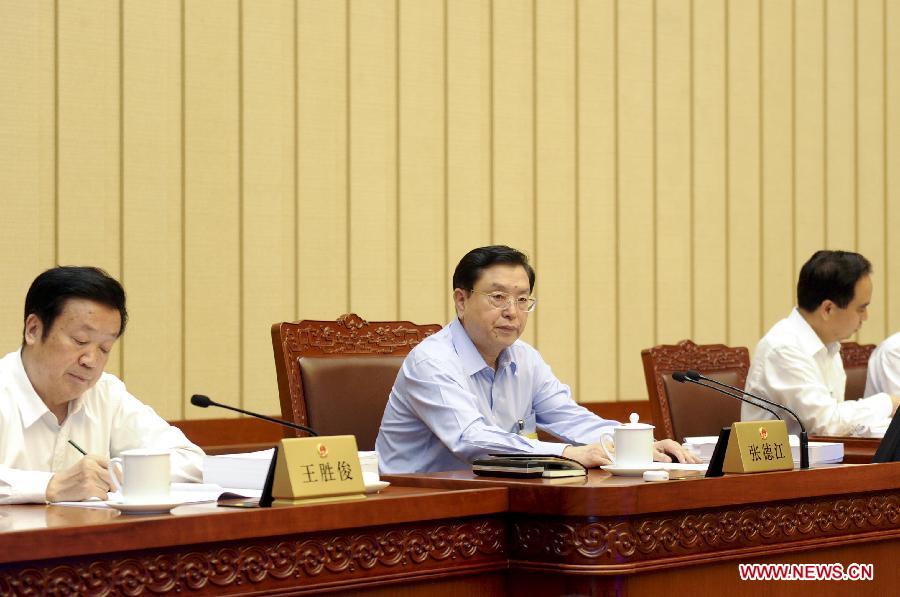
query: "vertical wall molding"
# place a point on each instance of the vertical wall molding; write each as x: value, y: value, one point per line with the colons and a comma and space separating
x: 667, y: 165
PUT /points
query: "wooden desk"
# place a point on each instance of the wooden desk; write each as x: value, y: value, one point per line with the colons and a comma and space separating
x: 615, y: 535
x: 429, y: 541
x: 457, y: 534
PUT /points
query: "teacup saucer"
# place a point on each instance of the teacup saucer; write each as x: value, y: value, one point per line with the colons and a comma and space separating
x: 638, y: 471
x: 145, y: 507
x: 376, y: 486
x: 632, y: 471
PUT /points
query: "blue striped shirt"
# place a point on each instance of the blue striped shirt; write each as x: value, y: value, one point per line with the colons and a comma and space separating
x: 448, y: 407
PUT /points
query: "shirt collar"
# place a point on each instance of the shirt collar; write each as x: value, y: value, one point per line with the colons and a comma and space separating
x: 472, y: 360
x: 809, y: 340
x: 31, y: 407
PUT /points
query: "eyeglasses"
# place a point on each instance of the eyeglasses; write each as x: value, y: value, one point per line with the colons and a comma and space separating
x: 501, y: 300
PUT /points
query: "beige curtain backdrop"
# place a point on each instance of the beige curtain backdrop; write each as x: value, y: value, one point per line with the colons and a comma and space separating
x: 667, y: 164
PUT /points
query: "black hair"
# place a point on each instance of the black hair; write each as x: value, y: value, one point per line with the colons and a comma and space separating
x: 49, y: 292
x: 468, y: 270
x: 830, y: 275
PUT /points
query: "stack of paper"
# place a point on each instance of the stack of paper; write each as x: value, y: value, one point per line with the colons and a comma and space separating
x: 245, y: 471
x: 819, y: 452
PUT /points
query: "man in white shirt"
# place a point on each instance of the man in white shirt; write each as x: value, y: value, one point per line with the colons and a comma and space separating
x: 798, y: 362
x: 884, y: 368
x: 54, y: 396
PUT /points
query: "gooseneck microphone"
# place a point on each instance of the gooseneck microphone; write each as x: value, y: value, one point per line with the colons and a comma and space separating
x: 682, y: 377
x: 204, y: 402
x: 804, y: 437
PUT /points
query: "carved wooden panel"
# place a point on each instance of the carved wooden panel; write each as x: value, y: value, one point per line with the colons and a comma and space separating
x: 349, y: 335
x: 666, y: 358
x: 856, y: 355
x: 303, y: 564
x: 614, y: 541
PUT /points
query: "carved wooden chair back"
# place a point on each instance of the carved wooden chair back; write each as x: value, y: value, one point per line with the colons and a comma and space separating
x: 856, y: 366
x: 686, y: 410
x: 336, y: 376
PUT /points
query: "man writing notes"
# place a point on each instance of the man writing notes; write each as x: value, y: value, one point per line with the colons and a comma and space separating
x: 54, y: 396
x: 474, y: 388
x: 798, y: 362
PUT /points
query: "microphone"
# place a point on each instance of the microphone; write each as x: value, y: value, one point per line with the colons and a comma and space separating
x: 804, y: 437
x: 683, y: 378
x: 204, y: 402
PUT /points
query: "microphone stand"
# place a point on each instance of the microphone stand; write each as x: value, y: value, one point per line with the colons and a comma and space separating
x: 804, y: 437
x: 204, y: 402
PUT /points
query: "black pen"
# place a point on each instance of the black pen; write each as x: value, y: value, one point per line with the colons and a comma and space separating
x: 77, y: 447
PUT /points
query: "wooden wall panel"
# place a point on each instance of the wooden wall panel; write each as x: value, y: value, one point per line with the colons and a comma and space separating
x: 212, y: 272
x: 373, y: 159
x: 777, y: 202
x: 870, y: 189
x: 268, y: 196
x: 597, y: 225
x: 636, y: 214
x: 151, y: 204
x: 809, y: 131
x: 891, y: 274
x: 710, y: 172
x: 672, y: 189
x: 468, y: 132
x: 27, y: 156
x: 513, y: 134
x: 667, y: 165
x: 840, y: 123
x: 555, y: 190
x: 744, y: 176
x: 421, y: 242
x: 322, y: 228
x: 88, y: 145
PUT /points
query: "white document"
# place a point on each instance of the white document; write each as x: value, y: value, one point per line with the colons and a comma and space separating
x: 180, y: 493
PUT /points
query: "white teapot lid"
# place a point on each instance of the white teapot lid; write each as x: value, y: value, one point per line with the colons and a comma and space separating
x: 633, y: 424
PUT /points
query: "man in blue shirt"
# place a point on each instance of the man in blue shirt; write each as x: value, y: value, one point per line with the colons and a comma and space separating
x: 474, y: 388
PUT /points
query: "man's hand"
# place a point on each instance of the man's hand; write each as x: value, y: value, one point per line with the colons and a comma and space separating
x: 590, y: 455
x: 593, y: 455
x: 895, y: 402
x: 665, y: 449
x: 88, y: 478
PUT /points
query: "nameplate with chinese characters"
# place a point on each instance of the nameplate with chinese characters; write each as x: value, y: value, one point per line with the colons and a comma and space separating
x: 312, y: 469
x: 758, y: 446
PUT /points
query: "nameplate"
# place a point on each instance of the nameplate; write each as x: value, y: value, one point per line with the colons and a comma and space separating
x: 313, y: 469
x: 758, y: 446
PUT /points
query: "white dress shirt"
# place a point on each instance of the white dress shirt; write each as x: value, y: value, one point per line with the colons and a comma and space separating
x: 105, y: 420
x: 448, y: 407
x: 793, y: 367
x: 884, y: 368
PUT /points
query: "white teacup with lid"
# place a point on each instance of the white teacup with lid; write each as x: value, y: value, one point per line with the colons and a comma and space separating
x: 633, y: 443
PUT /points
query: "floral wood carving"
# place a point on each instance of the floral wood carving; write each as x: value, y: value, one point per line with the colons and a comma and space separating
x: 856, y: 355
x: 308, y: 562
x: 706, y: 357
x: 666, y: 358
x: 349, y: 335
x: 615, y: 541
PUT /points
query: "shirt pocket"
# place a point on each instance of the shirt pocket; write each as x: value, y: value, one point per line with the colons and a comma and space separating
x: 529, y: 426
